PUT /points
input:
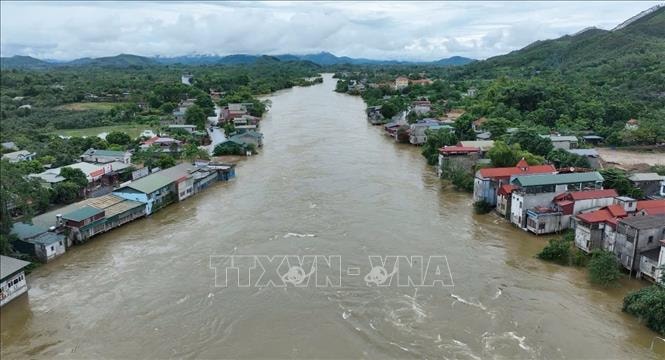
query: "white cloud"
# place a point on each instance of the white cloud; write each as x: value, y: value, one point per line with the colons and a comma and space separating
x: 387, y: 30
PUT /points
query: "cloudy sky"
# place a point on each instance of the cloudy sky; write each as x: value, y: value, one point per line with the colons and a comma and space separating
x: 380, y: 30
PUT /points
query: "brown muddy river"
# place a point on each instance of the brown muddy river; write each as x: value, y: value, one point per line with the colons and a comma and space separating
x: 325, y: 183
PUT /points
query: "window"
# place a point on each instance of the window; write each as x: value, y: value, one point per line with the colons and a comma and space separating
x: 52, y: 248
x: 60, y: 242
x: 650, y: 239
x: 541, y: 226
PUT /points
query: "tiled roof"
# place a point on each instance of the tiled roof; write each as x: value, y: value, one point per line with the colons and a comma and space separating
x: 646, y: 177
x: 650, y: 204
x: 516, y: 170
x: 589, y: 194
x: 606, y: 214
x: 645, y: 222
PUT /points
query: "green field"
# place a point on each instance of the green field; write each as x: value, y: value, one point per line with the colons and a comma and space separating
x: 83, y: 106
x: 133, y: 130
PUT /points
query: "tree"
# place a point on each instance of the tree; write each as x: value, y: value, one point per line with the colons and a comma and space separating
x: 648, y: 304
x: 603, y: 268
x: 530, y: 141
x: 503, y: 155
x: 437, y: 139
x: 229, y: 148
x: 165, y: 161
x: 388, y: 110
x: 464, y: 128
x: 192, y: 152
x: 562, y: 158
x: 66, y: 192
x: 496, y: 126
x: 118, y: 138
x: 196, y: 116
x: 617, y: 179
x: 76, y: 176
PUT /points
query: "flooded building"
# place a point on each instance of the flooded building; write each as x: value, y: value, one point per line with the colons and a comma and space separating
x: 12, y: 279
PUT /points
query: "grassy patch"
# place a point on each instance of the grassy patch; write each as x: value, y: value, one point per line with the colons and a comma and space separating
x: 132, y: 130
x: 83, y: 106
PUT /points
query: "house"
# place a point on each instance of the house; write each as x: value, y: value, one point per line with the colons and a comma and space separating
x: 458, y: 157
x: 540, y: 189
x: 154, y: 190
x: 186, y: 127
x: 246, y: 120
x: 488, y: 180
x: 486, y: 135
x: 187, y: 79
x: 596, y: 229
x: 8, y: 146
x: 401, y: 82
x: 421, y: 82
x: 484, y: 145
x: 421, y: 106
x: 592, y: 139
x: 562, y: 142
x: 249, y: 137
x: 17, y: 156
x: 652, y: 264
x: 38, y: 241
x: 650, y: 207
x: 471, y: 92
x: 417, y: 135
x: 163, y: 144
x: 391, y: 128
x: 12, y: 279
x: 93, y: 172
x: 94, y: 216
x: 636, y: 235
x: 651, y: 184
x: 557, y: 216
x: 232, y: 111
x: 632, y: 124
x: 590, y: 154
x: 374, y: 115
x: 504, y: 198
x: 106, y: 156
x: 179, y: 115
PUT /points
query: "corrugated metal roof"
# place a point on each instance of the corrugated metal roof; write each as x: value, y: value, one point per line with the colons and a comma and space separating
x: 557, y: 179
x: 646, y: 177
x: 645, y: 222
x: 83, y: 213
x: 150, y: 183
x: 24, y: 231
x: 9, y: 265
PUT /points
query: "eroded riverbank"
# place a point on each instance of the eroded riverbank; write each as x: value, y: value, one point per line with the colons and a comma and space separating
x: 146, y: 290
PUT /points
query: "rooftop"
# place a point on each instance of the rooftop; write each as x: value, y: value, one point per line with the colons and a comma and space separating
x: 589, y: 194
x: 150, y: 183
x: 646, y: 177
x: 557, y: 179
x: 521, y: 168
x: 584, y: 152
x: 560, y: 138
x: 25, y: 231
x: 645, y: 222
x: 109, y: 153
x: 83, y: 213
x: 458, y: 149
x: 605, y: 214
x: 9, y: 265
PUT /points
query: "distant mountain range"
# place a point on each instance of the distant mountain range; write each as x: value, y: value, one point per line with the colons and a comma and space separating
x: 128, y: 60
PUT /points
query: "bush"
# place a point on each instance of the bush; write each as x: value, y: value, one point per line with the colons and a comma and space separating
x: 648, y: 304
x: 482, y: 207
x: 557, y: 250
x: 603, y: 268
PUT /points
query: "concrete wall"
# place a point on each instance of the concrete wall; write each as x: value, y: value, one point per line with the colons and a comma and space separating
x: 13, y: 287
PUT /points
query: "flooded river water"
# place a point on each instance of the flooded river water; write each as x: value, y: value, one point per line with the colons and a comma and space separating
x: 325, y: 183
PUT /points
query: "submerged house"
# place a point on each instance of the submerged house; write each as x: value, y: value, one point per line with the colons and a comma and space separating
x: 154, y: 190
x: 637, y: 235
x: 488, y: 180
x: 37, y: 241
x: 595, y: 230
x: 557, y: 216
x: 106, y: 156
x: 98, y: 215
x: 652, y: 184
x: 12, y: 279
x: 540, y: 189
x: 458, y: 157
